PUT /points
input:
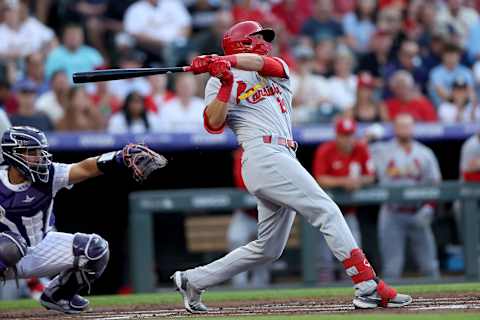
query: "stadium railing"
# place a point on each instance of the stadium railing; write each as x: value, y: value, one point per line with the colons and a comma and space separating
x: 144, y: 204
x: 167, y: 141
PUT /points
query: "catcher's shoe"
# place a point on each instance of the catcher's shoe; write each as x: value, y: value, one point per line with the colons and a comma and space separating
x: 383, y: 296
x: 76, y: 305
x: 191, y: 296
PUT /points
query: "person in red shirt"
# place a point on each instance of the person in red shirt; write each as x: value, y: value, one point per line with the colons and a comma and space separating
x: 342, y: 163
x: 250, y: 10
x: 242, y: 230
x: 407, y: 99
x: 292, y: 13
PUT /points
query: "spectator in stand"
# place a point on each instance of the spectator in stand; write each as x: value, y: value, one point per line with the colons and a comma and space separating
x: 376, y: 59
x: 473, y: 45
x: 359, y: 25
x: 343, y: 85
x: 310, y: 91
x: 470, y: 159
x: 426, y: 24
x: 408, y: 59
x: 80, y: 114
x: 456, y: 16
x: 89, y: 13
x: 160, y: 28
x: 390, y: 20
x: 53, y: 102
x: 250, y: 10
x: 7, y: 99
x: 342, y: 163
x: 133, y: 118
x: 324, y: 54
x: 366, y: 108
x: 402, y: 161
x: 103, y: 20
x: 407, y: 99
x: 26, y: 114
x: 159, y: 95
x: 443, y: 76
x: 35, y: 71
x: 210, y: 41
x: 104, y: 101
x: 121, y: 88
x: 183, y: 112
x: 432, y: 54
x: 203, y: 13
x: 321, y: 25
x: 22, y: 34
x: 292, y: 14
x: 476, y: 75
x: 73, y: 55
x: 460, y: 108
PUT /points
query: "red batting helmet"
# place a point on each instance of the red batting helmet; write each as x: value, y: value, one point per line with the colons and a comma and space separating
x: 239, y: 38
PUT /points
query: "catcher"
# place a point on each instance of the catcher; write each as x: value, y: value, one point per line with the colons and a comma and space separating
x: 28, y: 244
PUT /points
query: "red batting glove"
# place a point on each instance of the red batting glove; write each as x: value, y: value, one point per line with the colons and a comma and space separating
x: 200, y: 64
x: 221, y: 70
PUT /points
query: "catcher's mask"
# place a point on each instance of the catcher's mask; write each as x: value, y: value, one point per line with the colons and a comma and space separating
x: 25, y: 149
x: 240, y: 38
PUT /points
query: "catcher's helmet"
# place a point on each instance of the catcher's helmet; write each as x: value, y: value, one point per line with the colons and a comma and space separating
x: 239, y: 38
x: 25, y: 148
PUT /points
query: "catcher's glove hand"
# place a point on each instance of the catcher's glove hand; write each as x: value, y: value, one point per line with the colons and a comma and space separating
x: 142, y: 161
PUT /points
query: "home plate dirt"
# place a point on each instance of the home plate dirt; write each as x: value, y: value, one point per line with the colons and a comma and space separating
x: 420, y: 304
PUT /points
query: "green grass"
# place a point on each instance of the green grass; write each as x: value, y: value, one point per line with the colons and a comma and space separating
x: 248, y: 295
x: 350, y: 316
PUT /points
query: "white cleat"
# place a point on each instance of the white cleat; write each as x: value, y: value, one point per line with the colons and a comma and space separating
x: 383, y: 296
x: 191, y: 296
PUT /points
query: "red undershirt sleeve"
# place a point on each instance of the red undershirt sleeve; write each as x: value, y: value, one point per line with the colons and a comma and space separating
x: 272, y: 67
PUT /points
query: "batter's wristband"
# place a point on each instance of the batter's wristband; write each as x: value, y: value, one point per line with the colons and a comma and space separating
x: 232, y: 59
x: 224, y: 92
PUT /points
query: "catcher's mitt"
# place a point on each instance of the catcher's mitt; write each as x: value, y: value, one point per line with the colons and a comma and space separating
x: 142, y: 161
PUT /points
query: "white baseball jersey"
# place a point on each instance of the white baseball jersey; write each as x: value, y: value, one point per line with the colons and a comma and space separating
x: 258, y: 106
x: 395, y: 166
x: 470, y: 152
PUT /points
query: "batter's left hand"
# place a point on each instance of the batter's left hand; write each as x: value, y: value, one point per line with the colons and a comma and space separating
x: 221, y: 69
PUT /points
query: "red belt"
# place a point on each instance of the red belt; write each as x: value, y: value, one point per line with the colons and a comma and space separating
x: 292, y: 144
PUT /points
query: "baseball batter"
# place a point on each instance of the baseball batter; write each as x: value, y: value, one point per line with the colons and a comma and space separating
x: 250, y: 92
x: 28, y: 245
x: 405, y: 162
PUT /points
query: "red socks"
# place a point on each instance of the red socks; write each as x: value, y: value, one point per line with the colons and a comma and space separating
x: 358, y: 267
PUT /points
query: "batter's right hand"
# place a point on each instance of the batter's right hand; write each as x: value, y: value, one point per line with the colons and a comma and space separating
x: 201, y: 64
x: 221, y: 69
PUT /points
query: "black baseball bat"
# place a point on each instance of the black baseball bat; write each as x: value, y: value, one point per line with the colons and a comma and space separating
x: 117, y: 74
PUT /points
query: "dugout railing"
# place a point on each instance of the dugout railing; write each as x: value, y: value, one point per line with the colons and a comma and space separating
x: 145, y: 204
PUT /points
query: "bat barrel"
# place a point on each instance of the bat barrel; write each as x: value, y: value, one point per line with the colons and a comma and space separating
x: 118, y: 74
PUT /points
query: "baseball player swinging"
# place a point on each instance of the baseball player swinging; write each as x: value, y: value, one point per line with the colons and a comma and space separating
x: 250, y: 92
x: 28, y: 246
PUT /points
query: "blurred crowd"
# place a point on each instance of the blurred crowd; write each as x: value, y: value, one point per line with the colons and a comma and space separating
x: 369, y: 60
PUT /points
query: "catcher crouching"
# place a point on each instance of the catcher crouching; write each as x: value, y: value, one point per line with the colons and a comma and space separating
x: 29, y: 246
